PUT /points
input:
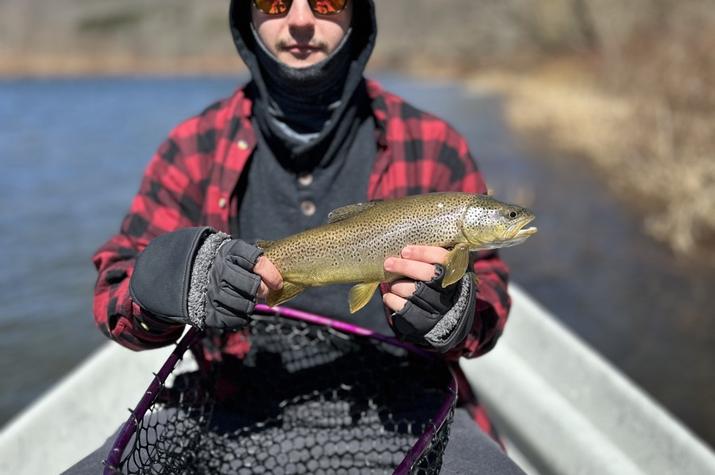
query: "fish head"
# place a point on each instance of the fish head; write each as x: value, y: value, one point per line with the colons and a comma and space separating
x: 490, y: 224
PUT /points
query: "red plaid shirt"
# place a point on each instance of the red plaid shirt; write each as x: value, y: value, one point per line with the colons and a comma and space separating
x: 191, y: 179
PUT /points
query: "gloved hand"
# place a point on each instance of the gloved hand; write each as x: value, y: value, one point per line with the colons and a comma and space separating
x: 424, y: 312
x: 235, y: 282
x: 202, y: 277
x: 436, y: 316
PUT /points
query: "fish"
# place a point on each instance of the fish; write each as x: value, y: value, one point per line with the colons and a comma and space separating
x: 352, y: 247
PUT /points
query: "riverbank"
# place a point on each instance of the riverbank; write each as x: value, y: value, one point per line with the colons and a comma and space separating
x: 655, y: 158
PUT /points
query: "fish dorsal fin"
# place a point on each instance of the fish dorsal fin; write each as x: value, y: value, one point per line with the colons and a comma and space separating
x: 264, y: 244
x: 349, y: 211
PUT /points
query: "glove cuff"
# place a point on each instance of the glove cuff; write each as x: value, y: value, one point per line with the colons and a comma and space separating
x: 198, y: 287
x: 455, y: 325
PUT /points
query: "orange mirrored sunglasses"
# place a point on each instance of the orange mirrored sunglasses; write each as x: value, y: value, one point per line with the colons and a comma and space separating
x: 319, y: 7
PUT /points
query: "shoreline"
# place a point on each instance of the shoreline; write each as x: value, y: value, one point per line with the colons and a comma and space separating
x: 564, y: 108
x: 51, y: 66
x: 48, y: 66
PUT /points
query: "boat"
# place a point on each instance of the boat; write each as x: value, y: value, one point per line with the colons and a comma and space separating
x: 560, y: 407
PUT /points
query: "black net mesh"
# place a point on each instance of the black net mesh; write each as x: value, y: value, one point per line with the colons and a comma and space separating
x: 305, y: 399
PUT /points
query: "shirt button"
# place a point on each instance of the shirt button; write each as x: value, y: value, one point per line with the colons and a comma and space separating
x: 306, y: 179
x: 242, y: 145
x: 222, y: 203
x: 308, y: 208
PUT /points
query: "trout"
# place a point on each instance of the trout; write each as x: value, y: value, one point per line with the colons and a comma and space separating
x: 353, y: 245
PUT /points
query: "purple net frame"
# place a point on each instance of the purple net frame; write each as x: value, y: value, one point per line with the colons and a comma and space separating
x: 129, y: 428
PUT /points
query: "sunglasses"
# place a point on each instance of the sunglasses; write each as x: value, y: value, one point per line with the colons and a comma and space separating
x: 319, y: 7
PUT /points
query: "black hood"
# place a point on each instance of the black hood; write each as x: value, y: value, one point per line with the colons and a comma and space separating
x: 362, y: 40
x: 364, y: 27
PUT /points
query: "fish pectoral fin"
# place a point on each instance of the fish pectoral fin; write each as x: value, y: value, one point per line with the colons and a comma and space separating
x: 361, y: 294
x: 277, y: 297
x: 456, y: 264
x: 349, y: 211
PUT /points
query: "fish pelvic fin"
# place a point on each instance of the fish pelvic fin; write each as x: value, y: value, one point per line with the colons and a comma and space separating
x: 289, y: 290
x: 456, y: 264
x: 361, y: 294
x: 349, y: 211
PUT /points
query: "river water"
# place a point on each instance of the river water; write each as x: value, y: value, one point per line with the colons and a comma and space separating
x: 72, y: 154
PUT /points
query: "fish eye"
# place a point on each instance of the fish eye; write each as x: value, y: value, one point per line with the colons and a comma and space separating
x: 512, y: 214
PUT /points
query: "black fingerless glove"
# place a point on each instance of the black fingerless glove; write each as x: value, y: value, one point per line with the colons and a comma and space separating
x: 197, y: 276
x: 232, y: 286
x: 437, y: 317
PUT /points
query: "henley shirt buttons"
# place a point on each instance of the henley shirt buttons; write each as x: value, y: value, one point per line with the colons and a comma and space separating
x: 305, y: 179
x: 222, y: 202
x: 242, y: 145
x: 307, y: 207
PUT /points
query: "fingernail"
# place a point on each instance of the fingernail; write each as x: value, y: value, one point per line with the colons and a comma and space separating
x: 407, y: 252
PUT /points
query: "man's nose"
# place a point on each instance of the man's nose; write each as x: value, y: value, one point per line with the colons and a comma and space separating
x: 300, y: 15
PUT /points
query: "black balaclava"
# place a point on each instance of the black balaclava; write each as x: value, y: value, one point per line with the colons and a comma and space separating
x: 302, y: 100
x: 305, y: 114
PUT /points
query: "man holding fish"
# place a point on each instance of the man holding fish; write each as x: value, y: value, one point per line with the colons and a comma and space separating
x: 206, y: 236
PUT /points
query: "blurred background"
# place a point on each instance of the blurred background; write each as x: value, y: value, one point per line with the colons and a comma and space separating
x: 596, y: 113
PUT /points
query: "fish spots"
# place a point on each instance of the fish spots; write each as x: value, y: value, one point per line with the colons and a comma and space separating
x: 354, y: 249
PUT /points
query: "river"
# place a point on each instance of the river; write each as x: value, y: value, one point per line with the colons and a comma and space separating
x: 73, y: 151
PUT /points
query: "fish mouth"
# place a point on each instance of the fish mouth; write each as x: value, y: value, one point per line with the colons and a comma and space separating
x: 525, y: 233
x: 517, y: 233
x: 518, y: 227
x: 500, y: 236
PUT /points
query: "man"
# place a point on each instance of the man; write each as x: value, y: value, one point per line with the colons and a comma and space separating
x: 308, y: 134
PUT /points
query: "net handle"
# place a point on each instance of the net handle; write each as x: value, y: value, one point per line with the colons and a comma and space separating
x: 129, y: 428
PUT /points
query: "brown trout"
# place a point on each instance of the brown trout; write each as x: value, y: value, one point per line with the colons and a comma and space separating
x: 358, y: 238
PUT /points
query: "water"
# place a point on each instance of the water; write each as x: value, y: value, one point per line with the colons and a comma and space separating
x: 73, y: 151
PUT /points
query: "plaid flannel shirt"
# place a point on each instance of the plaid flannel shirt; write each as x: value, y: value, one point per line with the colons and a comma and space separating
x: 191, y: 179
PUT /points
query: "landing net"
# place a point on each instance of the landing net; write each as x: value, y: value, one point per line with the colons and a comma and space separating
x: 312, y: 395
